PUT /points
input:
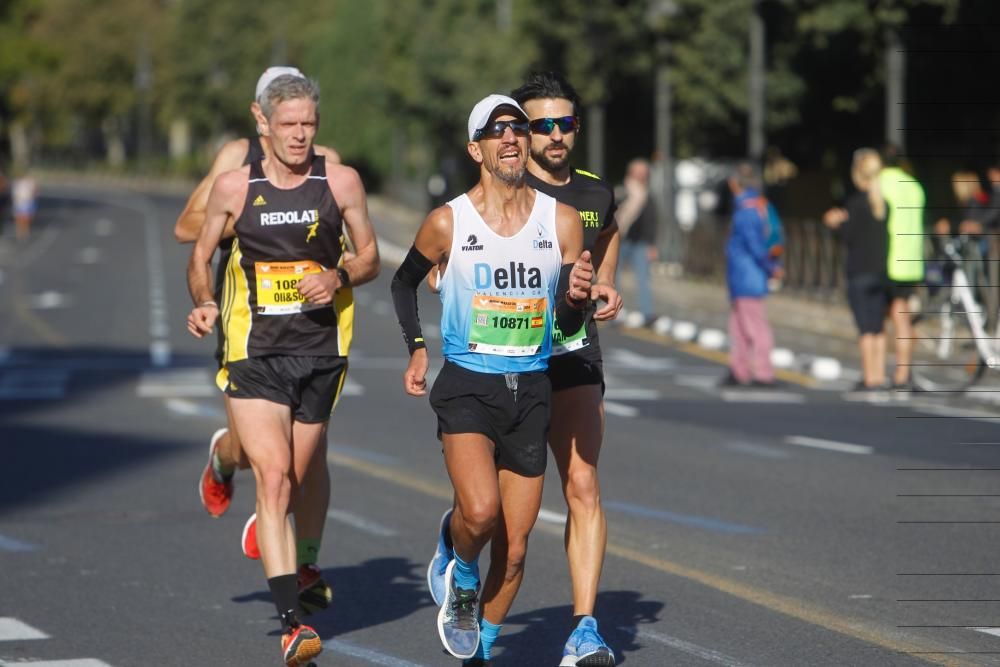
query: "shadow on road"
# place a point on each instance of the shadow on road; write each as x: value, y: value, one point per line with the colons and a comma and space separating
x: 545, y: 631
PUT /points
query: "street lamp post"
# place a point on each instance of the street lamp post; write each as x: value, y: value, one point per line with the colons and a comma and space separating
x: 757, y: 92
x: 658, y: 14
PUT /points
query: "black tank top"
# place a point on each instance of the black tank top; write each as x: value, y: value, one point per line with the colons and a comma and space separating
x: 282, y: 235
x: 255, y: 152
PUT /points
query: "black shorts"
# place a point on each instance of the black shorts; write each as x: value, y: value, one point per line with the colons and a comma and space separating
x: 902, y: 290
x: 573, y: 370
x: 516, y: 421
x: 310, y: 386
x: 868, y: 296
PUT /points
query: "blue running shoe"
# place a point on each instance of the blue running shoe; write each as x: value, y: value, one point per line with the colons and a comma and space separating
x: 586, y: 648
x: 439, y: 563
x: 458, y: 618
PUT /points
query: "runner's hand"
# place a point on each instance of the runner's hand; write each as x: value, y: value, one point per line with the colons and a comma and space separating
x: 580, y: 278
x: 320, y: 287
x: 415, y: 377
x: 201, y: 320
x: 611, y: 297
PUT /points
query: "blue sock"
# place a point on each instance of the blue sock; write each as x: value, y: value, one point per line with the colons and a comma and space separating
x: 487, y: 636
x: 466, y: 574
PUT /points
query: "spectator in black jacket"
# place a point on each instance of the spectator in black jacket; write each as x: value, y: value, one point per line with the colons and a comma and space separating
x: 861, y: 223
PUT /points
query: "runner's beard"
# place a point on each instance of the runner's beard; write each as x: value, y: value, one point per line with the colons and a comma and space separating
x: 549, y: 164
x: 510, y: 175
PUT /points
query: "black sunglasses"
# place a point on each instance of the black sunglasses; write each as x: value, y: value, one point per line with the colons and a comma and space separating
x: 566, y: 124
x: 496, y: 129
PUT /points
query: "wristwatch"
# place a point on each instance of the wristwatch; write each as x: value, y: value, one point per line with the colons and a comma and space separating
x: 345, y: 279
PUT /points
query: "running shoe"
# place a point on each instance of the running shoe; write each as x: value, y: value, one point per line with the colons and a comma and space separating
x: 314, y: 593
x: 215, y: 495
x: 458, y: 618
x: 586, y: 648
x: 249, y: 541
x: 439, y: 563
x: 300, y: 644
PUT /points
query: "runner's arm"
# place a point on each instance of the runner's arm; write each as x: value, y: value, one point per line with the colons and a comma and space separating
x: 349, y: 191
x: 606, y: 260
x: 577, y: 272
x: 192, y: 218
x: 225, y: 202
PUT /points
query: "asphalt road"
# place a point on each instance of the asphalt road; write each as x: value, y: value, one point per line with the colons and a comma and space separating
x: 747, y: 528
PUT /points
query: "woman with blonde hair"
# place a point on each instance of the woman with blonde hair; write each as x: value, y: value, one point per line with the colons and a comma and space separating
x: 861, y: 223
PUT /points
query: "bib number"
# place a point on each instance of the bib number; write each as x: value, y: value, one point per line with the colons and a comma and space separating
x: 561, y: 343
x: 507, y: 326
x: 277, y: 287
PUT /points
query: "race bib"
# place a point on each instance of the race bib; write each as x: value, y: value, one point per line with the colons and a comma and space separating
x: 277, y: 287
x: 508, y: 326
x: 561, y: 343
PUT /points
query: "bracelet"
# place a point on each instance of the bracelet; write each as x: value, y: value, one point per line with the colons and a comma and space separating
x: 208, y: 303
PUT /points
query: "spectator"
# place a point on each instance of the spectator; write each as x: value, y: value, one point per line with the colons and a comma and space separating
x: 637, y: 225
x: 905, y: 201
x: 861, y: 225
x: 749, y: 266
x: 24, y: 193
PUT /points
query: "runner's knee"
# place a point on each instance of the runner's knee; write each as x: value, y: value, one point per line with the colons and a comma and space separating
x: 480, y: 517
x: 583, y: 489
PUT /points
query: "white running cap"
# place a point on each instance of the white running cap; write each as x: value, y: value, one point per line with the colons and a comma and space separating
x: 272, y: 73
x: 484, y: 109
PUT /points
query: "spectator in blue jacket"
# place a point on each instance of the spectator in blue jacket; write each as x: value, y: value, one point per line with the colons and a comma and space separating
x: 749, y: 265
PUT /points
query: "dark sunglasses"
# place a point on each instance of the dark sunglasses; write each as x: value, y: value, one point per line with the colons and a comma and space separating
x: 496, y: 129
x: 546, y: 125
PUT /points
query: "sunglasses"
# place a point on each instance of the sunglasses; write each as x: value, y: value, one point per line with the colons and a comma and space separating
x: 497, y: 128
x: 566, y: 124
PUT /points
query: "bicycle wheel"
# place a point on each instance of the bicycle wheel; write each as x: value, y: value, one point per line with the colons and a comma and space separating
x: 945, y: 357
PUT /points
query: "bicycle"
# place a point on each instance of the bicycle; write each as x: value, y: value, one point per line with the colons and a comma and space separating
x: 952, y: 348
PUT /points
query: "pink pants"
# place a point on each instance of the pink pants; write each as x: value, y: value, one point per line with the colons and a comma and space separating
x: 750, y: 340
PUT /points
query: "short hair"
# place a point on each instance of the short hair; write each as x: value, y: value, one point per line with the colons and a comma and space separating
x: 747, y: 175
x: 546, y: 85
x: 287, y: 87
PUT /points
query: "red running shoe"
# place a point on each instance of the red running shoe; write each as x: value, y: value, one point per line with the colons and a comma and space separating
x: 249, y: 541
x: 215, y: 495
x: 300, y: 645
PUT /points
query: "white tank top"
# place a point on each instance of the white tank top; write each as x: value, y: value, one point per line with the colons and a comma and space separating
x: 498, y: 292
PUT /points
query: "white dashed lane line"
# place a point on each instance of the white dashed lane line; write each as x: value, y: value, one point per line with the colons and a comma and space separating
x: 828, y: 445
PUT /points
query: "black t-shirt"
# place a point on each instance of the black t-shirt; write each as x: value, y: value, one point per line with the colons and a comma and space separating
x: 594, y: 199
x: 866, y: 237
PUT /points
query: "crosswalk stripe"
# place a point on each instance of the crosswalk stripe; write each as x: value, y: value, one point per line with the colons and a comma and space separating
x: 17, y: 546
x: 13, y: 630
x: 78, y: 662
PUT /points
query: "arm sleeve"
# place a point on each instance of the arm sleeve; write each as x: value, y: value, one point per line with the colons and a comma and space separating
x: 404, y: 296
x: 569, y: 317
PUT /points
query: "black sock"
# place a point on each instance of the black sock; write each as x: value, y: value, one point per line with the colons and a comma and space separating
x: 577, y: 619
x: 285, y: 593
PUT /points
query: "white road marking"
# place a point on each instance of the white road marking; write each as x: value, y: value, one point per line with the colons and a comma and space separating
x: 361, y: 523
x: 829, y: 445
x: 187, y: 408
x: 637, y: 362
x: 620, y: 409
x: 89, y: 255
x: 632, y: 394
x: 13, y: 630
x: 548, y: 516
x: 159, y: 327
x: 48, y: 300
x: 374, y: 657
x: 762, y: 451
x: 989, y: 631
x: 861, y: 597
x: 104, y: 227
x: 352, y: 388
x: 711, y: 655
x: 183, y: 383
x: 762, y: 396
x: 16, y: 546
x: 702, y: 382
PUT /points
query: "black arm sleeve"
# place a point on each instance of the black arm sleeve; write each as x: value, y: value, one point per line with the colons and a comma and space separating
x: 404, y: 296
x: 569, y: 317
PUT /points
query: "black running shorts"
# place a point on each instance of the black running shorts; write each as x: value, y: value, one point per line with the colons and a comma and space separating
x: 310, y: 386
x: 572, y: 370
x: 516, y: 421
x: 869, y: 297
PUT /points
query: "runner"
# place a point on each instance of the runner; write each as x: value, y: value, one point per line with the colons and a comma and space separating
x: 509, y: 258
x: 287, y: 315
x: 225, y: 454
x: 576, y: 369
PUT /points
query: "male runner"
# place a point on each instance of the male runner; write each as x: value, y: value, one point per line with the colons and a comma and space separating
x: 576, y: 369
x: 509, y: 259
x: 225, y: 452
x: 287, y: 314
